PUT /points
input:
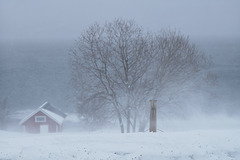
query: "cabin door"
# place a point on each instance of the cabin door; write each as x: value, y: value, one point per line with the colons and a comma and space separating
x: 43, y: 128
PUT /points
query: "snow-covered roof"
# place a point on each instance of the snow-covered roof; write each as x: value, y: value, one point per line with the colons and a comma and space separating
x: 54, y: 116
x: 52, y: 112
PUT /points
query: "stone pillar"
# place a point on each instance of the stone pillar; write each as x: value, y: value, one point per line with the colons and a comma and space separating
x: 153, y: 116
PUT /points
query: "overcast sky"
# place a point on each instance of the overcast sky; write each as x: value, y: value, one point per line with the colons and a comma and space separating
x: 58, y: 19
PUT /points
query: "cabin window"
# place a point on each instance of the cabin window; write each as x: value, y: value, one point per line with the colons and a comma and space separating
x: 40, y: 119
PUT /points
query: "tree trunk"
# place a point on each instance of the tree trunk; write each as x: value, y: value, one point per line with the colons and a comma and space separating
x: 120, y: 121
x: 128, y: 112
x: 134, y: 122
x: 128, y: 119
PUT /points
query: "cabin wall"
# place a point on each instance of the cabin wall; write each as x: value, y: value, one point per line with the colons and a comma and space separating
x: 34, y: 127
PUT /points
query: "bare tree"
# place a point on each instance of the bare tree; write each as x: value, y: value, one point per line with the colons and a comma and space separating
x: 117, y: 68
x: 107, y: 63
x: 178, y: 67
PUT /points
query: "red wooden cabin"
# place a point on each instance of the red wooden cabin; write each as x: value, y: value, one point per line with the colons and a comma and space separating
x: 46, y: 119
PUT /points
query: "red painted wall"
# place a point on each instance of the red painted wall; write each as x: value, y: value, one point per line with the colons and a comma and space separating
x: 34, y: 127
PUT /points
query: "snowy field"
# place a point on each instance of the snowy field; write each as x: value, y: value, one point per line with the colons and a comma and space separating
x: 102, y: 145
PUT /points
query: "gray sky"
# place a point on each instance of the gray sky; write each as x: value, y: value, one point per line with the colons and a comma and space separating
x: 58, y: 19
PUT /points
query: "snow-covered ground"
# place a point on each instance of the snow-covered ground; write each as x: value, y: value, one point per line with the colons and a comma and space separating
x: 103, y: 145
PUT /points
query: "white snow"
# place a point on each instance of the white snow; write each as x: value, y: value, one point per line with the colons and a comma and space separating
x: 169, y: 145
x: 54, y: 116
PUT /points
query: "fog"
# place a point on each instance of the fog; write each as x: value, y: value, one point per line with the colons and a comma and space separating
x: 54, y: 19
x: 35, y: 37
